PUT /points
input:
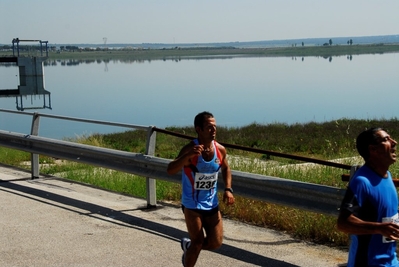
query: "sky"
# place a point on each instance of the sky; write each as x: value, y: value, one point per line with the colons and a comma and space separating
x: 187, y: 21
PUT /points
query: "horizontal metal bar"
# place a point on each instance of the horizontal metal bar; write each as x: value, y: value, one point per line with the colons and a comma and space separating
x: 19, y: 40
x: 9, y: 59
x: 9, y: 92
x: 267, y: 152
x: 306, y: 196
x: 137, y: 127
x: 255, y: 150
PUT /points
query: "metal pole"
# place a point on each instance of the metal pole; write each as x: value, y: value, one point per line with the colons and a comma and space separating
x: 151, y: 183
x: 35, y: 157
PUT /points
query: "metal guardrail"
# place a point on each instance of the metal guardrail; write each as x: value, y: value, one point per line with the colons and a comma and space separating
x: 306, y: 196
x: 128, y: 162
x: 150, y: 145
x: 36, y: 115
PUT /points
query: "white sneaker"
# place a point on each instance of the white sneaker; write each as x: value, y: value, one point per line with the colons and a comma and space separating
x: 185, y: 244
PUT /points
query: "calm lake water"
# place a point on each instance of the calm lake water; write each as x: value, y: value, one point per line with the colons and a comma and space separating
x: 238, y: 91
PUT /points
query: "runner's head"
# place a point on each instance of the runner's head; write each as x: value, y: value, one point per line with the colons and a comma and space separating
x: 200, y: 119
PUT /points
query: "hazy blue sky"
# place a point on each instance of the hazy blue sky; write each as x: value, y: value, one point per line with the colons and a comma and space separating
x: 186, y: 21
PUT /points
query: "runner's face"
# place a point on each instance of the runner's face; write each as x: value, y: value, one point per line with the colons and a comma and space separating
x: 386, y: 147
x: 209, y: 129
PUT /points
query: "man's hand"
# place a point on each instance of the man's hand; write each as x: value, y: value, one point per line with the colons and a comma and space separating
x: 228, y: 198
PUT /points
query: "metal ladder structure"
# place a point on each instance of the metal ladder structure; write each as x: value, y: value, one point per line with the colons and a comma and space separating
x: 31, y: 75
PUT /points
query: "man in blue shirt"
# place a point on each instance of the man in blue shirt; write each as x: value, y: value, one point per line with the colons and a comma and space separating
x: 200, y: 162
x: 369, y: 210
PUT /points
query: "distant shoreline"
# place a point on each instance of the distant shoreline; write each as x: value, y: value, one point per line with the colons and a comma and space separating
x: 203, y: 52
x: 322, y: 51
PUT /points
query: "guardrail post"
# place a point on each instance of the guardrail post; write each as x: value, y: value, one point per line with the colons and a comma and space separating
x: 35, y: 157
x: 151, y: 183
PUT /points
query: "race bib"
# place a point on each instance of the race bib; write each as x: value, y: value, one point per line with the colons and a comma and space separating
x: 394, y: 219
x: 205, y: 181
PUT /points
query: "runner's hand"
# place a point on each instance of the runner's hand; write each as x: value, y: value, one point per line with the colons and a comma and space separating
x: 228, y: 198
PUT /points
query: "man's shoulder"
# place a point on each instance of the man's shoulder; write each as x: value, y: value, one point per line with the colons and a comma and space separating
x: 361, y: 177
x: 220, y: 147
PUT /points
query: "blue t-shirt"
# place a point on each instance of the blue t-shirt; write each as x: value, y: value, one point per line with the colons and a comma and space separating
x: 375, y: 199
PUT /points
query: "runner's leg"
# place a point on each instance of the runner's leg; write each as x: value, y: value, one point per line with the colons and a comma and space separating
x: 213, y: 226
x: 196, y: 234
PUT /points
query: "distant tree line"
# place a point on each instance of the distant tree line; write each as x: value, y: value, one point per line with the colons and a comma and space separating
x: 329, y: 43
x: 73, y: 48
x: 69, y: 48
x: 26, y: 48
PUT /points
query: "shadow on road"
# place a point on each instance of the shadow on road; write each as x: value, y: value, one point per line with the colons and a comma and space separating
x: 127, y: 220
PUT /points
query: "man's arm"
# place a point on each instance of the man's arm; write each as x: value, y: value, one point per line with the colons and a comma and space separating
x: 183, y: 159
x: 226, y: 173
x: 353, y: 225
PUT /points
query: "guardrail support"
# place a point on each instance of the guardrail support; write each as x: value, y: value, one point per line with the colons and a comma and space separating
x: 151, y: 183
x: 35, y: 157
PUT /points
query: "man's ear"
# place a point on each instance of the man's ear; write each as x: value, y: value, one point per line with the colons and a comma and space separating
x: 372, y: 148
x: 197, y: 129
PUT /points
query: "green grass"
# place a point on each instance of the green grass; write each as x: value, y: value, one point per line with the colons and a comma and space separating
x: 329, y: 140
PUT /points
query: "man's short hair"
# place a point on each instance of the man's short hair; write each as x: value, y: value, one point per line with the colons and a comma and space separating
x: 365, y: 139
x: 200, y: 119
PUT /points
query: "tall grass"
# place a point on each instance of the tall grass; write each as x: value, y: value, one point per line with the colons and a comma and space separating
x: 328, y: 141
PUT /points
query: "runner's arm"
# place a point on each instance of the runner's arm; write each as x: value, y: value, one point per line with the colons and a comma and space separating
x: 183, y: 159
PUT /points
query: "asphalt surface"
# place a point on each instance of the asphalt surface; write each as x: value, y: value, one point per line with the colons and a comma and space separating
x: 53, y: 222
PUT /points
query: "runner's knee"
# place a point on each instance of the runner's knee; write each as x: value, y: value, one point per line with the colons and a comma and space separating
x: 214, y: 243
x: 213, y: 246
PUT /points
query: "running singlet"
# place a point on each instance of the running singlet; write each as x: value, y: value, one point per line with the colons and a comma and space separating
x: 371, y: 198
x: 199, y: 181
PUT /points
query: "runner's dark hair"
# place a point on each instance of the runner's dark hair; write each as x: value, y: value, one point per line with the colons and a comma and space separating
x: 365, y: 139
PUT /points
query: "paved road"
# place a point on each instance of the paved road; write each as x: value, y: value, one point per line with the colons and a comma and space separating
x: 54, y: 222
